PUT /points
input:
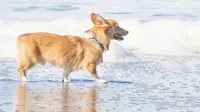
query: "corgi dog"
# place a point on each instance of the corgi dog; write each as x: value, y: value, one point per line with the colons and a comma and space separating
x: 66, y: 51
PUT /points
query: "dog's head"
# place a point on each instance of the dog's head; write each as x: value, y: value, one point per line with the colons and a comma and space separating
x: 106, y: 29
x: 111, y: 27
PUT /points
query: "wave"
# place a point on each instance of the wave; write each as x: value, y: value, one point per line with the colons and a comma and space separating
x: 163, y: 37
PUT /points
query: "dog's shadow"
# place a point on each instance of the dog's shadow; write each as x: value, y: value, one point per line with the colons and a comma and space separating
x: 76, y: 99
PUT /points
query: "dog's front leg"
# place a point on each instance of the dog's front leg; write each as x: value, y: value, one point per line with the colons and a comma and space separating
x: 92, y: 69
x: 66, y: 74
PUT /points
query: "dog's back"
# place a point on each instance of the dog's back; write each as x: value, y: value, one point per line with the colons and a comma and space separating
x: 33, y: 48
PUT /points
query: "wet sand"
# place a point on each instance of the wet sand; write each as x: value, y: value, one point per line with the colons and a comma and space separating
x: 160, y: 84
x: 48, y: 96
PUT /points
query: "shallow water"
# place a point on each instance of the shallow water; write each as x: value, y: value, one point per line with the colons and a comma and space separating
x: 160, y: 84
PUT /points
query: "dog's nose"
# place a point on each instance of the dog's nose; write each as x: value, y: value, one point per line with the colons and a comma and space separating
x: 126, y: 32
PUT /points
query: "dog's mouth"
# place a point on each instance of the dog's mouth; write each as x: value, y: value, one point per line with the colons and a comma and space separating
x: 118, y: 36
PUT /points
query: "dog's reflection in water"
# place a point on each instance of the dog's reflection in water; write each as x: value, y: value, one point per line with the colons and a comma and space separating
x: 62, y: 100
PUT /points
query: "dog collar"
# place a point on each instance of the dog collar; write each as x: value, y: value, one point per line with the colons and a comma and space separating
x: 100, y: 44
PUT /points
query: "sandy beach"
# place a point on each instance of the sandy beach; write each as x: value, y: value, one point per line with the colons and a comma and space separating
x: 159, y: 84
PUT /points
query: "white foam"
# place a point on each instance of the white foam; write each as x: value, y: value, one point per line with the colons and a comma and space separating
x: 119, y: 53
x: 167, y: 37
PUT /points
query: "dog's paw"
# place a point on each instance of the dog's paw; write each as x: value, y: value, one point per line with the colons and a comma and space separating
x: 24, y: 79
x: 66, y: 80
x: 102, y: 81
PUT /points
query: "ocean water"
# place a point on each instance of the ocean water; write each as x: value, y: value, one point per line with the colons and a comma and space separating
x: 155, y: 69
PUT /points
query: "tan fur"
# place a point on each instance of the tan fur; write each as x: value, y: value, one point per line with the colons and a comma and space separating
x: 68, y: 52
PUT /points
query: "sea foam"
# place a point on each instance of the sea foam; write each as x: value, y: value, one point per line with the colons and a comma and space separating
x: 160, y: 37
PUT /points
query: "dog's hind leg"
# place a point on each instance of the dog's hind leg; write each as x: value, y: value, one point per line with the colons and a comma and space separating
x: 92, y: 69
x: 22, y: 69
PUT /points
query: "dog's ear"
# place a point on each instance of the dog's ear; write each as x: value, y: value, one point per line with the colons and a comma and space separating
x: 98, y: 20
